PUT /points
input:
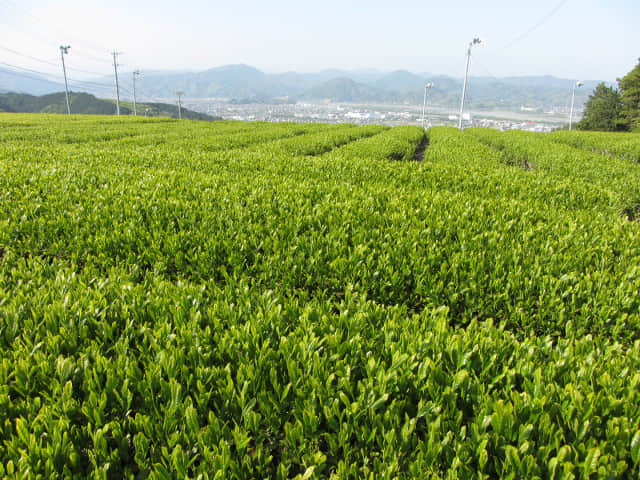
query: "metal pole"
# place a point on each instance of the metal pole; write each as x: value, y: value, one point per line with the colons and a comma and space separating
x: 464, y: 83
x: 429, y: 86
x: 573, y: 97
x: 64, y: 50
x: 115, y: 68
x: 424, y: 104
x: 179, y: 105
x: 464, y: 87
x: 135, y: 72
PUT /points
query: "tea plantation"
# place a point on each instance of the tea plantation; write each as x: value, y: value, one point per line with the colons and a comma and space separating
x: 237, y: 300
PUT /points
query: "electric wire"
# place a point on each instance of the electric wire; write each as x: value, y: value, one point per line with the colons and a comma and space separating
x: 87, y: 85
x: 48, y: 25
x: 476, y: 62
x: 541, y: 22
x: 36, y: 74
x: 22, y: 74
x: 29, y: 70
x: 77, y: 51
x: 47, y: 62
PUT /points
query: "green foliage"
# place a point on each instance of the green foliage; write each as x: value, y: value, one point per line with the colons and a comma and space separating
x: 602, y: 110
x: 629, y: 86
x: 84, y: 103
x: 56, y: 103
x: 250, y: 300
x: 619, y: 145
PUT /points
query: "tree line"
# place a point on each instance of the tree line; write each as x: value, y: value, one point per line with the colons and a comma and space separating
x: 613, y: 109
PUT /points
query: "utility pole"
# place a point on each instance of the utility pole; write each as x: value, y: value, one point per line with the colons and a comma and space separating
x: 135, y: 72
x: 475, y: 41
x: 115, y: 68
x: 573, y: 97
x: 63, y: 52
x: 424, y: 100
x: 180, y: 93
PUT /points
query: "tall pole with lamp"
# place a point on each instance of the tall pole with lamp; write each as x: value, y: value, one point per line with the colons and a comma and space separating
x: 424, y: 100
x: 573, y: 97
x: 135, y: 72
x: 180, y: 94
x: 475, y: 41
x: 63, y: 52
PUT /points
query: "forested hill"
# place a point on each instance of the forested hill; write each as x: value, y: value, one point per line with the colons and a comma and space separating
x: 84, y: 103
x: 399, y: 87
x: 246, y: 83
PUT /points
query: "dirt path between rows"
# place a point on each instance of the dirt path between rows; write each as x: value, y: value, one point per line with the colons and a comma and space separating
x: 419, y: 155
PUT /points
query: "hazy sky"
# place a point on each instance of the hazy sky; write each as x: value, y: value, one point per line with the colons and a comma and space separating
x: 573, y: 39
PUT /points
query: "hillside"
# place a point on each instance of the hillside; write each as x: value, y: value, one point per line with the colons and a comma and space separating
x: 233, y: 81
x: 346, y: 90
x: 235, y: 300
x: 400, y: 81
x: 245, y: 83
x: 84, y: 103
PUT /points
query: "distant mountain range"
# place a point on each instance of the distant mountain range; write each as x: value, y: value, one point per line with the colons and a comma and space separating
x: 242, y: 83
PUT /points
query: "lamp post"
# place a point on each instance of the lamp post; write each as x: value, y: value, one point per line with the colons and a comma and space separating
x: 424, y: 100
x: 115, y: 69
x: 135, y: 72
x: 179, y: 94
x: 63, y: 52
x: 573, y: 97
x: 475, y: 41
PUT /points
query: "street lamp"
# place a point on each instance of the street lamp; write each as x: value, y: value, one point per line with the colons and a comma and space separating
x: 424, y: 100
x: 475, y: 41
x: 63, y: 51
x: 179, y: 94
x: 135, y: 72
x: 573, y: 97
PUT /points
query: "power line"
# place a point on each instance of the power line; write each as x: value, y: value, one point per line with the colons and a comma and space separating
x: 78, y: 51
x: 541, y: 22
x: 94, y: 87
x: 30, y: 70
x: 39, y: 75
x: 21, y: 74
x: 47, y: 62
x: 476, y: 62
x: 27, y: 56
x: 48, y: 24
